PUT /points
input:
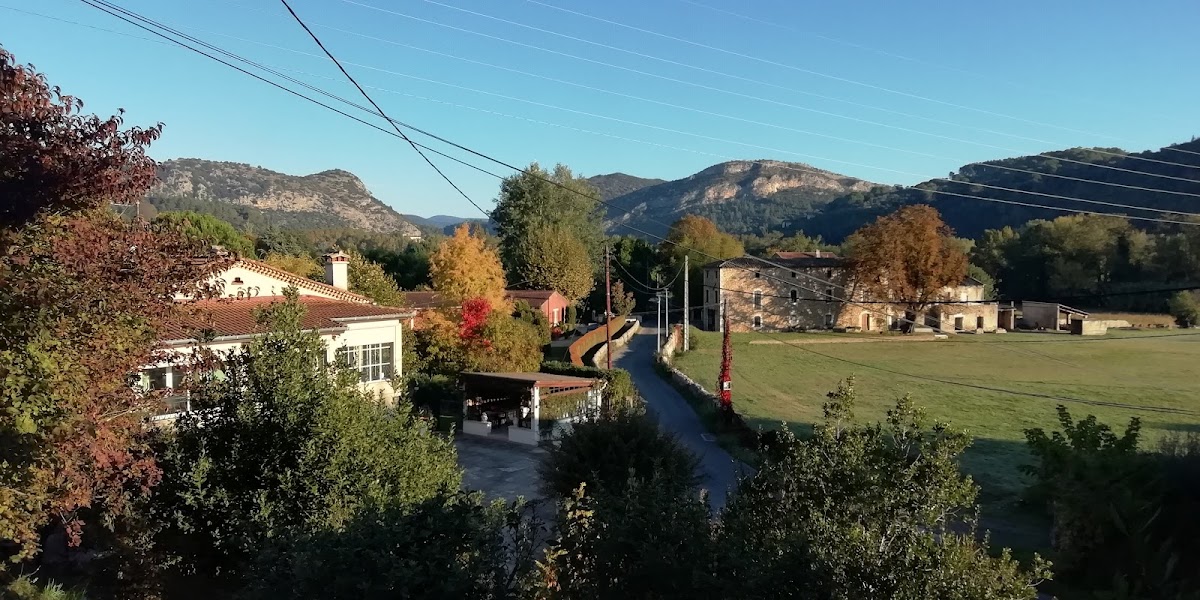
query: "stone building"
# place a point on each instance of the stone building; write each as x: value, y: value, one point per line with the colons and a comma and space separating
x: 800, y: 291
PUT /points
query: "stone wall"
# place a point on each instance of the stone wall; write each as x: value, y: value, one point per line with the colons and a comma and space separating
x: 600, y: 356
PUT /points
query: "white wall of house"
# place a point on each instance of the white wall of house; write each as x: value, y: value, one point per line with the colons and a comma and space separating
x: 241, y: 282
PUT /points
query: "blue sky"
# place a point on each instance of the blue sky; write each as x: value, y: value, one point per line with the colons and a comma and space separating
x: 894, y: 92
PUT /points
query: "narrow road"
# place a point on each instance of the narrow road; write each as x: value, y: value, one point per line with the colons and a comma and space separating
x: 718, y: 469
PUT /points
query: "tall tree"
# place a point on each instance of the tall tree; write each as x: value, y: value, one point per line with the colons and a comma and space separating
x: 555, y: 259
x: 54, y: 158
x: 83, y: 301
x: 909, y: 257
x: 464, y: 267
x: 296, y: 264
x: 622, y: 301
x: 538, y: 199
x: 369, y: 279
x: 208, y: 229
x: 281, y: 444
x: 702, y: 242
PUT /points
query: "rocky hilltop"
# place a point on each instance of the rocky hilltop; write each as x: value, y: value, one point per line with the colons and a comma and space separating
x: 741, y: 196
x: 333, y: 198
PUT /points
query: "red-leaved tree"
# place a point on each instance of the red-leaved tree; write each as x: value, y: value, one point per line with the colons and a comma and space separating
x: 84, y: 300
x: 52, y: 157
x: 472, y: 321
x: 724, y: 383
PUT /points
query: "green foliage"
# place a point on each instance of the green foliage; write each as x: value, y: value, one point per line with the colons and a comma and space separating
x: 1185, y: 307
x: 864, y: 512
x: 572, y: 318
x: 622, y: 301
x: 651, y: 540
x: 296, y: 264
x: 1124, y: 520
x: 619, y: 392
x: 702, y: 242
x: 369, y: 279
x: 553, y: 258
x: 1076, y: 257
x: 208, y: 229
x: 514, y: 345
x: 284, y: 445
x: 613, y: 452
x: 28, y: 588
x: 244, y: 218
x: 522, y: 311
x: 446, y: 547
x: 272, y: 240
x: 529, y: 203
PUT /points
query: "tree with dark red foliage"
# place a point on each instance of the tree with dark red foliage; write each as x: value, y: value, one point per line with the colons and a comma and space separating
x: 54, y: 158
x: 723, y: 384
x: 472, y: 321
x: 84, y: 299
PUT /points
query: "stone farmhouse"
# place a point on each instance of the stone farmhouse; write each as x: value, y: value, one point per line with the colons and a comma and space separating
x: 812, y: 291
x: 369, y: 337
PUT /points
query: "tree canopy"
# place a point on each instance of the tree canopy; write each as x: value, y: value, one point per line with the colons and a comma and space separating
x: 555, y: 259
x: 909, y: 256
x: 208, y: 229
x: 530, y: 202
x: 369, y: 279
x: 463, y: 267
x: 280, y: 444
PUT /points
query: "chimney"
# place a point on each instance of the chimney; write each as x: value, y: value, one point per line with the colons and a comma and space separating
x: 818, y: 253
x: 337, y: 270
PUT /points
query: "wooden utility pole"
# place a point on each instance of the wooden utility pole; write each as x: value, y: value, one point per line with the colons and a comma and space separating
x: 687, y: 307
x: 607, y: 308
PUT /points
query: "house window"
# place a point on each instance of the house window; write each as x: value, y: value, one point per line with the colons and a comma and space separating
x: 237, y: 281
x: 828, y: 273
x: 757, y: 274
x: 828, y: 294
x: 757, y: 322
x: 793, y: 274
x: 829, y: 319
x: 372, y: 361
x: 757, y: 299
x: 554, y: 317
x: 795, y: 295
x: 706, y: 296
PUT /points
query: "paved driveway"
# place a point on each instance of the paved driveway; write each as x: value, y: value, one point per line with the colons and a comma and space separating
x: 674, y: 414
x: 498, y: 468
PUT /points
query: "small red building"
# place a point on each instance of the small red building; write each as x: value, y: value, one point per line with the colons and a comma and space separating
x: 549, y: 302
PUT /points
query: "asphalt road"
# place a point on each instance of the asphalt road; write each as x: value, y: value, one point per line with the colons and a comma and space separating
x: 718, y: 469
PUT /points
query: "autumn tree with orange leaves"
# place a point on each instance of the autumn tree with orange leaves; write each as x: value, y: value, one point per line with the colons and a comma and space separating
x: 908, y: 257
x: 84, y: 300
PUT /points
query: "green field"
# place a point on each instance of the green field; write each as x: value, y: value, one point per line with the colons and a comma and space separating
x: 1152, y: 375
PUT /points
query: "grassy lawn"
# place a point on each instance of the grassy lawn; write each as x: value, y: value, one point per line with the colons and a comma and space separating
x: 1152, y: 375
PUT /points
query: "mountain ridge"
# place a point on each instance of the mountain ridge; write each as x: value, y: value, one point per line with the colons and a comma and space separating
x: 329, y: 198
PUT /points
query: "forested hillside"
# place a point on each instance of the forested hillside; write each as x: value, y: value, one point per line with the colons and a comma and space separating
x: 971, y: 216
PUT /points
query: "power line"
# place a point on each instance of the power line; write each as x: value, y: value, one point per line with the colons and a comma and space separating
x: 1068, y: 198
x: 378, y: 109
x: 444, y: 140
x: 515, y: 168
x: 767, y: 100
x: 803, y: 70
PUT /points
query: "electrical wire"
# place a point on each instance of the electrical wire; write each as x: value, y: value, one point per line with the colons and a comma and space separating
x: 469, y: 150
x: 380, y: 110
x: 766, y: 100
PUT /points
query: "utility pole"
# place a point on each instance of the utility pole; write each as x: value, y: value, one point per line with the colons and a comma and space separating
x: 607, y: 308
x: 658, y: 327
x: 687, y: 308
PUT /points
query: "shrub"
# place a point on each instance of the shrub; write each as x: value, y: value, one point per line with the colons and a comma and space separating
x: 608, y: 453
x: 619, y: 392
x: 1185, y: 307
x: 446, y: 547
x: 27, y: 588
x: 524, y: 312
x: 1122, y: 517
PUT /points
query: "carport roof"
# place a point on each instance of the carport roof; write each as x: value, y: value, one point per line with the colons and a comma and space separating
x: 538, y: 380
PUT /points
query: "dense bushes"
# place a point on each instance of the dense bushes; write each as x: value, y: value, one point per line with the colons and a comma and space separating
x: 619, y: 391
x: 447, y: 547
x: 611, y: 452
x: 1124, y: 519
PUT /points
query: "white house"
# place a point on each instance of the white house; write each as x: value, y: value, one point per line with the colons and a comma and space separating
x: 369, y: 336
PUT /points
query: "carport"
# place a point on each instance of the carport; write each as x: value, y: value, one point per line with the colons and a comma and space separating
x: 525, y: 407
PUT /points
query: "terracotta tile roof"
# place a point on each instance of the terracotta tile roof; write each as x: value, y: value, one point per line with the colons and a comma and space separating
x: 301, y: 282
x: 228, y: 317
x: 751, y: 263
x: 540, y: 296
x: 816, y: 254
x: 423, y: 300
